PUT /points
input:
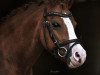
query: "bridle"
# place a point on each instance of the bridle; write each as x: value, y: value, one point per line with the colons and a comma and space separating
x: 58, y: 46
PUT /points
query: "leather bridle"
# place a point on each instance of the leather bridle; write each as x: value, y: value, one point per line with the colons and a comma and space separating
x: 58, y: 46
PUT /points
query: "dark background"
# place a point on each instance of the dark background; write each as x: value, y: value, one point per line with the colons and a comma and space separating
x: 87, y: 15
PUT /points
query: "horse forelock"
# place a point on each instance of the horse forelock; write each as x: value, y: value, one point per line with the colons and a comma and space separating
x: 54, y: 2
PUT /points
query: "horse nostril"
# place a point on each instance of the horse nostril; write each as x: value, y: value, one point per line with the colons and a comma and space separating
x: 77, y: 55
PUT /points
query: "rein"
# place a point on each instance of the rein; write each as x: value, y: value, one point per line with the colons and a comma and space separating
x: 58, y: 46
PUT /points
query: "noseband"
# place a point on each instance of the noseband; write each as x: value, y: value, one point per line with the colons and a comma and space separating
x: 58, y: 46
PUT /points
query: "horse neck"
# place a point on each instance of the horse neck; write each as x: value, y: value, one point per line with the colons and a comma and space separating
x: 20, y: 38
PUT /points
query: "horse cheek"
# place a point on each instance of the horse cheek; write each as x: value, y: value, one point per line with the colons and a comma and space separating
x: 46, y: 40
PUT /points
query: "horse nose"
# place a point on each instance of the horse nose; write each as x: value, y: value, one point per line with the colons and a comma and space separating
x: 77, y: 57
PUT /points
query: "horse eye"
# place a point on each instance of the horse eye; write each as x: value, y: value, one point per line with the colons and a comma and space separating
x: 55, y: 24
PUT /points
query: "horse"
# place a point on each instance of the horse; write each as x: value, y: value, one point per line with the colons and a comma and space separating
x: 34, y: 28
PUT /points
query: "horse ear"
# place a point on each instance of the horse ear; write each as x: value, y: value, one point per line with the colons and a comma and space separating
x: 70, y: 2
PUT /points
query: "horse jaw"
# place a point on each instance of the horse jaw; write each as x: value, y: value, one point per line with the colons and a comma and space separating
x: 78, y: 54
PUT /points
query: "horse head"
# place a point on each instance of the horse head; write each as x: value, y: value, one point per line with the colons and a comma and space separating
x: 58, y: 34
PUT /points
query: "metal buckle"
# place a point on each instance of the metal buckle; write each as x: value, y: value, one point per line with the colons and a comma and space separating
x: 64, y: 52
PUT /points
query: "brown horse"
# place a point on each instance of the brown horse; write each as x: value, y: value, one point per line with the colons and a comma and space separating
x: 25, y: 35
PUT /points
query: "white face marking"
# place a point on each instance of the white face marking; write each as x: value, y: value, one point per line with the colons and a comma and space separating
x: 70, y: 28
x: 77, y: 48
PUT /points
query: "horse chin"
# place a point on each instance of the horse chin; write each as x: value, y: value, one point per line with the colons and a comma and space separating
x: 73, y: 65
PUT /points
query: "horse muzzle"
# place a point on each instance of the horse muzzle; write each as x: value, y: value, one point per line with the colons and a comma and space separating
x: 78, y: 56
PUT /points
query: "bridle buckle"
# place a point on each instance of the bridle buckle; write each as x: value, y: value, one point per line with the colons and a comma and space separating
x: 64, y: 52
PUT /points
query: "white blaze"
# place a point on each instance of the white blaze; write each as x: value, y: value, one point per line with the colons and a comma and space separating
x: 70, y: 28
x: 77, y: 48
